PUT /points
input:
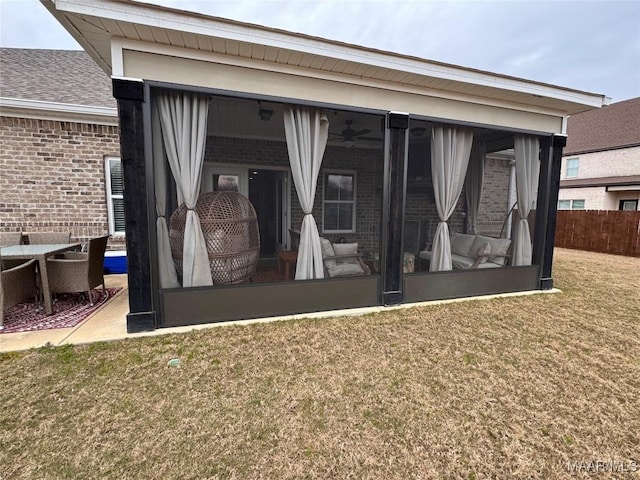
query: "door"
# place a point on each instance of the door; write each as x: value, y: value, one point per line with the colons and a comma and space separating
x: 283, y: 242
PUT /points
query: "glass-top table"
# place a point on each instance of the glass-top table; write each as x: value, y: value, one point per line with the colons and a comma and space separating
x: 40, y: 253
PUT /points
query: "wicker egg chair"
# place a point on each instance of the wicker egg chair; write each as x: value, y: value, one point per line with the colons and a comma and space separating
x: 230, y: 227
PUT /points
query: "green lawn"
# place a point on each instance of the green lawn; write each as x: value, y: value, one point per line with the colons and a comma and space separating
x: 505, y: 388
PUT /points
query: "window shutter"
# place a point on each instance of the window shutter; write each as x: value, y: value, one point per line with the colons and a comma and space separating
x: 117, y: 184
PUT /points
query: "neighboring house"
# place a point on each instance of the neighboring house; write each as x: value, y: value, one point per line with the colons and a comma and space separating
x: 60, y: 155
x: 344, y: 143
x: 601, y: 162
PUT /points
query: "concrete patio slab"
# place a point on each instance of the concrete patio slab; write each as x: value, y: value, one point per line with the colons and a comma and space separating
x: 109, y: 323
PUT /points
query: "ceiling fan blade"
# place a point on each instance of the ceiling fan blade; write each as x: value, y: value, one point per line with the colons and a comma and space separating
x: 364, y: 131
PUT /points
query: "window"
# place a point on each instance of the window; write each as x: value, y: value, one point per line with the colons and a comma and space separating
x: 570, y: 204
x: 577, y: 204
x: 572, y: 167
x: 629, y: 205
x: 339, y: 202
x: 115, y: 200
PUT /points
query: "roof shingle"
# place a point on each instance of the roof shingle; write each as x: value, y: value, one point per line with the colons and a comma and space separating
x: 60, y: 76
x: 606, y: 128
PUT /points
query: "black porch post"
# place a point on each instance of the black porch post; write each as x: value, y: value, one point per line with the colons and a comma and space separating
x: 394, y: 197
x: 130, y: 97
x: 549, y: 185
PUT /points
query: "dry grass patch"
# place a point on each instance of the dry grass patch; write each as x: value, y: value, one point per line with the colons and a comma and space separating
x: 506, y: 388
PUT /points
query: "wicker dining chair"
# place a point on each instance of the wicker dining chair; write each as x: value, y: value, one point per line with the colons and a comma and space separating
x: 17, y: 284
x: 10, y: 238
x: 78, y: 271
x: 41, y: 238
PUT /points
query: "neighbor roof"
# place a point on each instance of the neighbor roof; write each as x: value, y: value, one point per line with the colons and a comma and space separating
x: 56, y: 76
x: 607, y: 128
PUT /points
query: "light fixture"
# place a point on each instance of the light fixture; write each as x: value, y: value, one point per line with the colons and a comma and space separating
x: 265, y: 114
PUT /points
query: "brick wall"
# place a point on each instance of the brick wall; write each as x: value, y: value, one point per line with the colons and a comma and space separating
x: 53, y: 177
x: 495, y: 197
x: 368, y: 163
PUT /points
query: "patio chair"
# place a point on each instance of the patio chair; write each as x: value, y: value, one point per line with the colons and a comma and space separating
x: 41, y: 238
x: 17, y: 284
x: 78, y: 271
x: 295, y: 238
x: 342, y: 259
x: 10, y: 238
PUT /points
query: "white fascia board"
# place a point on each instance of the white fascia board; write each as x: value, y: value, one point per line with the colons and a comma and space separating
x: 58, y: 111
x: 145, y: 14
x: 117, y: 58
x: 122, y: 44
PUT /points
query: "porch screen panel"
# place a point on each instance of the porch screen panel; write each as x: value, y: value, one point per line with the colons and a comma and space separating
x: 527, y: 152
x: 166, y: 268
x: 307, y: 131
x: 183, y: 118
x: 450, y: 150
x: 474, y: 184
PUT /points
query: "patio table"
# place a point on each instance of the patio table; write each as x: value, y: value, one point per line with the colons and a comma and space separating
x: 40, y: 253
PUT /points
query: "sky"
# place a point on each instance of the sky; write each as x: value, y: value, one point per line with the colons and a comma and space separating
x: 589, y: 45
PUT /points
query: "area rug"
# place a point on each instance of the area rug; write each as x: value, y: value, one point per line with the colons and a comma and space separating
x: 69, y: 310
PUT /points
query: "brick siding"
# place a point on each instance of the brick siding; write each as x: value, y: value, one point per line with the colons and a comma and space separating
x: 53, y: 177
x: 495, y: 196
x: 368, y: 163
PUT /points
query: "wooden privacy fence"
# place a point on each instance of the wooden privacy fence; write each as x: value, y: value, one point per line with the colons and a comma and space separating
x: 606, y: 231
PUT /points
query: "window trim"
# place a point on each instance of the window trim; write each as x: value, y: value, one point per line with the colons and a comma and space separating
x: 571, y: 204
x: 570, y: 169
x: 325, y: 174
x: 625, y: 200
x: 110, y: 195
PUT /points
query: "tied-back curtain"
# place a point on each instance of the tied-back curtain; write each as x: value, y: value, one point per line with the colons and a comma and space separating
x: 474, y: 184
x: 183, y: 118
x: 527, y: 152
x: 307, y: 131
x: 450, y: 150
x: 166, y: 268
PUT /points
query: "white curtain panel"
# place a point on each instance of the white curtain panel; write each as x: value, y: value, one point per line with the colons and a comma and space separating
x: 527, y: 151
x: 183, y: 118
x: 166, y: 268
x: 307, y: 131
x: 450, y: 150
x: 474, y: 184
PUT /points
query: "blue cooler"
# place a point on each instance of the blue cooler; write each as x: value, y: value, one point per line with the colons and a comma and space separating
x: 115, y: 262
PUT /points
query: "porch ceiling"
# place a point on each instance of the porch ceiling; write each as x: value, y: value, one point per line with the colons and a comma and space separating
x: 95, y: 23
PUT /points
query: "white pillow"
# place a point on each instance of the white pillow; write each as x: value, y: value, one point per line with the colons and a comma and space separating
x: 345, y: 269
x: 327, y: 251
x: 346, y: 249
x: 461, y: 244
x: 481, y: 248
x: 499, y: 247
